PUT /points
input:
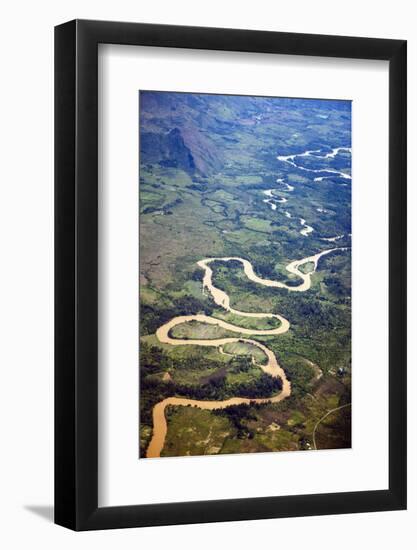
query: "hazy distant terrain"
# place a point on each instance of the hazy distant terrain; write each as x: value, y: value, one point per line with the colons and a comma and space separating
x: 266, y: 180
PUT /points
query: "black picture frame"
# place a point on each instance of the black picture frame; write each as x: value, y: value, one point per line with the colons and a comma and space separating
x: 76, y: 272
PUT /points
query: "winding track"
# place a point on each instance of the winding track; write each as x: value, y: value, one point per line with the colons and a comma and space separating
x: 323, y: 418
x: 272, y: 368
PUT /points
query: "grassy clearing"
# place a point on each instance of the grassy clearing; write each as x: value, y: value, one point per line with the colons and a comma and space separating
x: 178, y: 353
x: 257, y: 224
x: 245, y: 349
x: 308, y: 267
x: 237, y: 376
x: 194, y: 330
x: 191, y: 376
x: 223, y: 197
x: 193, y: 431
x: 149, y: 296
x: 257, y: 323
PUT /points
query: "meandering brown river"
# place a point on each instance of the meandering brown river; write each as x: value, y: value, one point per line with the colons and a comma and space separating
x: 272, y: 368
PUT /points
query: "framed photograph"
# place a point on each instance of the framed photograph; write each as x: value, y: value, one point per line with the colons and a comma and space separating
x: 230, y: 275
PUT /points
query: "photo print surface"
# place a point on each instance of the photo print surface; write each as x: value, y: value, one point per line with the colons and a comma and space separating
x: 245, y: 274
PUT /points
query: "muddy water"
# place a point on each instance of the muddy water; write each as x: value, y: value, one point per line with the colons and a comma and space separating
x: 272, y: 368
